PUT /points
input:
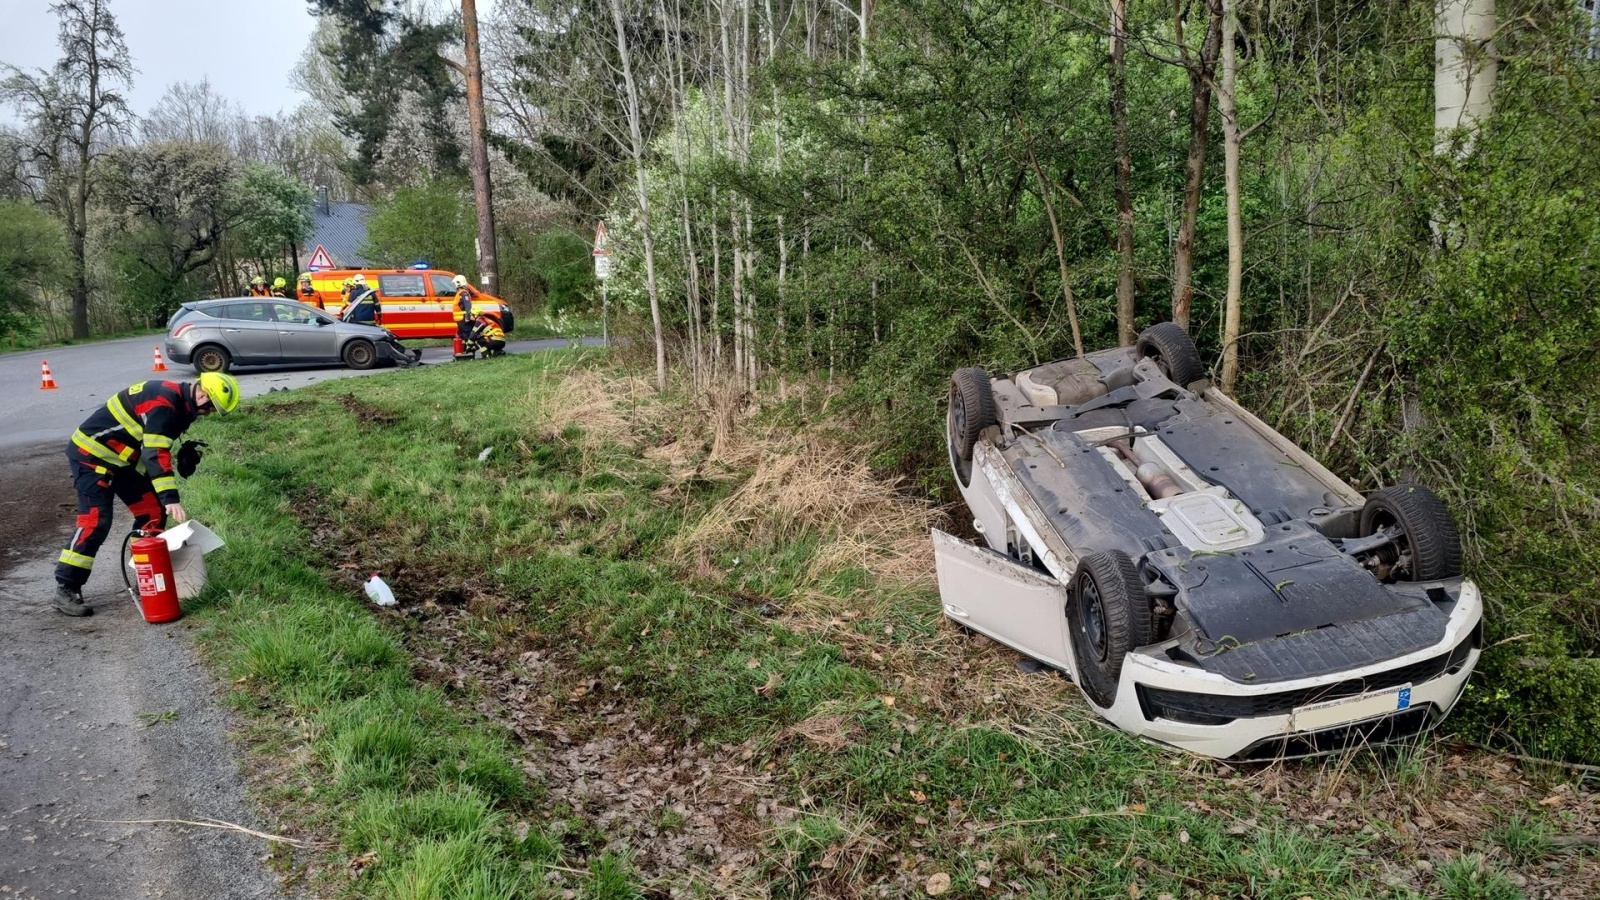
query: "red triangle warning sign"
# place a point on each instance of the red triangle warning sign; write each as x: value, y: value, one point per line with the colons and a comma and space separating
x: 320, y: 259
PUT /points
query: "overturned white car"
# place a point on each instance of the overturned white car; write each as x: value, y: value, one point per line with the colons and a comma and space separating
x: 1204, y: 581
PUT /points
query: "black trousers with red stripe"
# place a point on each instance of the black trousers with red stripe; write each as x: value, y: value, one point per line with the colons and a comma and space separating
x: 96, y: 486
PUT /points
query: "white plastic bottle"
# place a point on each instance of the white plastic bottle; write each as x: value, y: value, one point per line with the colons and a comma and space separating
x: 379, y: 592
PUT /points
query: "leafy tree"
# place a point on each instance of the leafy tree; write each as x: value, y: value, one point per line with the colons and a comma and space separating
x: 176, y: 201
x: 273, y: 212
x: 69, y: 113
x: 33, y: 256
x: 431, y: 220
x: 388, y: 63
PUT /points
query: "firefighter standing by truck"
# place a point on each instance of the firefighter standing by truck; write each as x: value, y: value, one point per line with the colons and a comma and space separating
x: 463, y: 310
x: 258, y: 287
x: 126, y: 449
x: 361, y: 307
x: 308, y: 294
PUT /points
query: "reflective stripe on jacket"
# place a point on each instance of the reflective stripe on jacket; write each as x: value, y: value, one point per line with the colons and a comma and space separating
x: 137, y: 427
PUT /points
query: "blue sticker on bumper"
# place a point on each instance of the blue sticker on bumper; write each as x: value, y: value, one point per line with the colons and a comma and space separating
x: 1404, y: 698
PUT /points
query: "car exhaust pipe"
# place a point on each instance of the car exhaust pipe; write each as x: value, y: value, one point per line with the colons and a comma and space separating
x: 1156, y: 480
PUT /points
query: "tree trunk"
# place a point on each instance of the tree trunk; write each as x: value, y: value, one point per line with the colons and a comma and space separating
x: 1127, y: 331
x: 1230, y: 151
x: 1201, y: 72
x: 1465, y: 68
x: 482, y: 190
x: 636, y: 132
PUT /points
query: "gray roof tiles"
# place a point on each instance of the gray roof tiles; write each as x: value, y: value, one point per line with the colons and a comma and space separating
x: 341, y: 231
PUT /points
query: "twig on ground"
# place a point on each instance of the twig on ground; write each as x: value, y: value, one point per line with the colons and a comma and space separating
x: 206, y: 823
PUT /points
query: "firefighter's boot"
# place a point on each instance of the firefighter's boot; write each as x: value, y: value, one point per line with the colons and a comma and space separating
x: 70, y: 602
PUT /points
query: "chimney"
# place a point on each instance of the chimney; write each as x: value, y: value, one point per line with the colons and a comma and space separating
x: 322, y: 200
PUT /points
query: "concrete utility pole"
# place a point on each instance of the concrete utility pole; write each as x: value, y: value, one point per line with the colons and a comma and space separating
x: 482, y: 191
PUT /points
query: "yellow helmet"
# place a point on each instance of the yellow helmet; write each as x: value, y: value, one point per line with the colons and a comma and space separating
x: 305, y: 277
x: 222, y: 388
x: 279, y: 282
x: 347, y: 282
x: 258, y: 280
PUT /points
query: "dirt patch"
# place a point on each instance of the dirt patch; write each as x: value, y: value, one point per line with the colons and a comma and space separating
x: 38, y: 500
x: 366, y: 413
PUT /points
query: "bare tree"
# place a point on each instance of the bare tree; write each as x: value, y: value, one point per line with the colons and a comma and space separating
x: 637, y: 134
x: 1201, y: 69
x: 1231, y: 139
x: 482, y: 189
x: 73, y: 113
x: 1126, y: 331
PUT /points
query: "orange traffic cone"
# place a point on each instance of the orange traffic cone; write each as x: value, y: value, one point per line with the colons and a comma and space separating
x: 161, y: 365
x: 46, y: 383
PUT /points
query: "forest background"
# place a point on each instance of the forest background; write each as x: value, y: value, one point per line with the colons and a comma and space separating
x: 870, y: 194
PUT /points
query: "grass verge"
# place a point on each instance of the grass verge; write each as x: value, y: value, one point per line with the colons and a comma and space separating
x: 682, y: 645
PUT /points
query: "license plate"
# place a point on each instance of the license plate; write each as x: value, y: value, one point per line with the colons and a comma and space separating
x: 1350, y: 709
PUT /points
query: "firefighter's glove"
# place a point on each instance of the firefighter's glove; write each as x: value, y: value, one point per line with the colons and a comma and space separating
x: 189, y: 454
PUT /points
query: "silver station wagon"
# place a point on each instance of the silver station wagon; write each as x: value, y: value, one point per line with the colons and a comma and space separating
x: 216, y: 335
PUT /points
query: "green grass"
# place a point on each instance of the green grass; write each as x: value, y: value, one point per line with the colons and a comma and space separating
x: 558, y: 544
x: 37, y: 338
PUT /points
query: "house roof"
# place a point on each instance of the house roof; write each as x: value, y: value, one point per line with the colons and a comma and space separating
x: 341, y: 231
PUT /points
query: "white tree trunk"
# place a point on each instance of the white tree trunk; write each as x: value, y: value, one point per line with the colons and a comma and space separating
x: 1230, y: 155
x: 1464, y: 71
x: 636, y: 133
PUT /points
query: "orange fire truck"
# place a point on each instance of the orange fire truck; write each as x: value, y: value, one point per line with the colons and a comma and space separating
x: 415, y: 303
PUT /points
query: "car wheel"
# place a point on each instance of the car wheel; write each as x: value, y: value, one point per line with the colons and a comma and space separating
x: 1109, y: 615
x: 971, y: 409
x: 212, y: 358
x: 360, y: 354
x: 1173, y: 351
x: 1429, y: 546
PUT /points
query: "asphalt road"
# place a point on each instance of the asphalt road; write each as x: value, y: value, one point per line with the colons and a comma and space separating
x: 107, y: 723
x: 87, y: 374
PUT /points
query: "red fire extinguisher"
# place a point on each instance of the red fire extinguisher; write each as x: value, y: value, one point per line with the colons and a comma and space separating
x: 158, y: 588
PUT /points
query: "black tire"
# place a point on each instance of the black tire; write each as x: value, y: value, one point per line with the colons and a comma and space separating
x: 1108, y: 615
x: 360, y: 354
x: 1430, y: 545
x: 1173, y: 351
x: 211, y: 358
x: 971, y: 410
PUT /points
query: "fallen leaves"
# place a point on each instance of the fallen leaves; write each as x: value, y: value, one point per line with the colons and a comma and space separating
x: 938, y: 883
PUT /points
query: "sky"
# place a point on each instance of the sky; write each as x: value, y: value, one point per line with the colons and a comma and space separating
x: 246, y: 48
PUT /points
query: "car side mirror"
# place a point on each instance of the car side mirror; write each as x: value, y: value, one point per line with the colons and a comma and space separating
x: 322, y: 321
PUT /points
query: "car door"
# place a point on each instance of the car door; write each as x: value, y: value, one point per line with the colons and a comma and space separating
x: 305, y: 335
x: 251, y: 330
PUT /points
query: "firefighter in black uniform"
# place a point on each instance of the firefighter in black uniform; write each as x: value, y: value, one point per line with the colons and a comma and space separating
x: 125, y: 449
x: 362, y: 306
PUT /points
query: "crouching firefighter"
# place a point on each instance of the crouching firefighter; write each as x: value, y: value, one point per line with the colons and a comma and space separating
x: 126, y: 449
x: 487, y: 335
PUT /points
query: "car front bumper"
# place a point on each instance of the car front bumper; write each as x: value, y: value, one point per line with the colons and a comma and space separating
x: 1402, y: 696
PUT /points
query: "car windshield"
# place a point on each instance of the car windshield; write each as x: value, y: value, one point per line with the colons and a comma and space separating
x: 402, y: 286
